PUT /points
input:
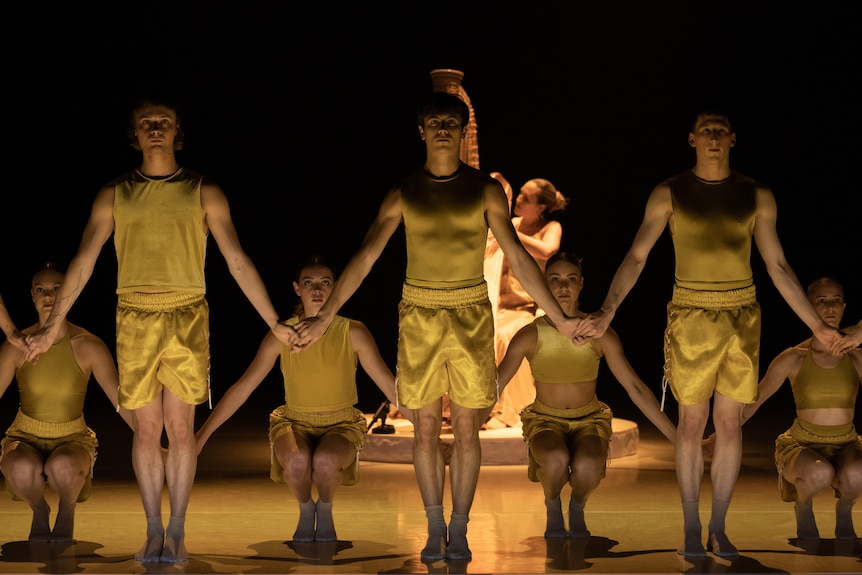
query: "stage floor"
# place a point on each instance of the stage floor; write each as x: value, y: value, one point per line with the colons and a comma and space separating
x: 241, y: 522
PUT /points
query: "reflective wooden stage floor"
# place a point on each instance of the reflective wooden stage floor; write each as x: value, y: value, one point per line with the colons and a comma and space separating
x: 241, y: 522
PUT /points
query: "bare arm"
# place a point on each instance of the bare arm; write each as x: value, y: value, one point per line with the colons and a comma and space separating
x: 639, y: 393
x: 785, y: 365
x: 13, y: 336
x: 521, y: 346
x: 384, y: 225
x: 263, y: 362
x: 243, y: 270
x: 10, y: 358
x: 99, y: 228
x: 93, y: 356
x: 656, y: 217
x: 769, y: 246
x: 372, y: 362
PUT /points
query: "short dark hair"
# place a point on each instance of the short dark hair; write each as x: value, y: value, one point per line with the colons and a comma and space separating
x: 717, y: 112
x: 156, y: 95
x: 442, y: 102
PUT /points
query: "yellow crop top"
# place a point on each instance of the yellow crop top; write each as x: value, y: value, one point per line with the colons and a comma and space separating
x: 323, y: 376
x: 445, y: 228
x: 713, y: 227
x: 53, y: 389
x: 159, y: 232
x: 558, y: 360
x: 816, y: 387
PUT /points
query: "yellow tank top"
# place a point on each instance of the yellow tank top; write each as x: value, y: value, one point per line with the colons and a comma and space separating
x: 558, y: 360
x: 323, y: 376
x: 713, y: 227
x: 817, y: 388
x: 159, y: 232
x: 53, y: 389
x: 445, y: 228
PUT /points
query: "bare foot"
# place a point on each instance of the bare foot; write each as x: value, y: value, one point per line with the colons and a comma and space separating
x: 721, y: 546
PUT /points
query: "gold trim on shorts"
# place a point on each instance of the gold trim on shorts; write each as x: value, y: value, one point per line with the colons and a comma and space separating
x: 319, y: 419
x: 574, y: 413
x: 714, y: 300
x: 445, y: 298
x: 154, y: 302
x: 49, y: 429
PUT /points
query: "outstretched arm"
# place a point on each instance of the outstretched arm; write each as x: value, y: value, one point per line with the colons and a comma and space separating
x: 656, y: 216
x: 769, y: 246
x: 784, y: 366
x: 268, y: 351
x: 521, y: 346
x: 639, y: 393
x: 97, y: 358
x: 243, y: 270
x: 384, y: 225
x: 13, y: 336
x: 99, y: 228
x: 372, y: 362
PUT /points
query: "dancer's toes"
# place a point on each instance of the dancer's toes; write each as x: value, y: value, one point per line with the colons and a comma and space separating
x: 721, y: 546
x: 325, y: 535
x: 556, y: 534
x: 579, y: 534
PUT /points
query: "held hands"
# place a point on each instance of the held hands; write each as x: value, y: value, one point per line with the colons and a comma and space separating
x: 19, y: 340
x: 578, y: 329
x: 308, y: 331
x: 851, y: 340
x: 285, y: 334
x: 708, y: 447
x: 37, y: 343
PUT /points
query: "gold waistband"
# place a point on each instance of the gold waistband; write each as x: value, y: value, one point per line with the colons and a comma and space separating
x: 320, y: 419
x: 445, y: 298
x: 817, y: 433
x: 152, y: 302
x: 714, y: 300
x: 592, y: 407
x: 48, y: 429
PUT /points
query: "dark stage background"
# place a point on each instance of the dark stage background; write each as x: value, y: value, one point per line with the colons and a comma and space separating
x: 304, y: 113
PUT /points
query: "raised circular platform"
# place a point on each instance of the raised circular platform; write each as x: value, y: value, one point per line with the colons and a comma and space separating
x: 503, y: 446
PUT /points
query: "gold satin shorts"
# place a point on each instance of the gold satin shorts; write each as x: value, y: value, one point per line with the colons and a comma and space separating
x: 594, y: 418
x: 348, y: 423
x: 45, y: 437
x: 828, y: 441
x: 712, y: 344
x: 162, y: 342
x: 446, y: 345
